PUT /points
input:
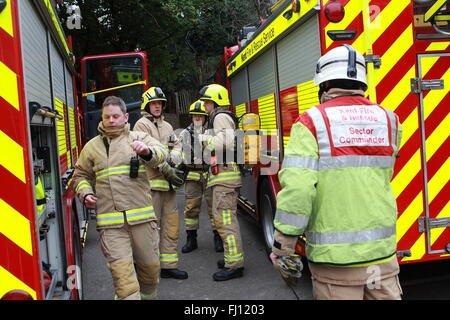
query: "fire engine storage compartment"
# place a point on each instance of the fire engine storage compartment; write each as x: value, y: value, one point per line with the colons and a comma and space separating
x: 48, y: 85
x: 269, y: 84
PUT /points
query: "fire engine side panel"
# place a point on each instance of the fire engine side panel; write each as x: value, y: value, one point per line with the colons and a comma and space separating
x: 297, y: 55
x: 19, y: 261
x: 35, y: 56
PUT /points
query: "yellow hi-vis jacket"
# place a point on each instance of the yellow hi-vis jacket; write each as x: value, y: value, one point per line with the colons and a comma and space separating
x: 163, y: 132
x: 107, y: 175
x: 335, y: 183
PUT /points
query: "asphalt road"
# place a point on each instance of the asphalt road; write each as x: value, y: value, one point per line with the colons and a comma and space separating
x: 260, y: 280
x: 424, y: 281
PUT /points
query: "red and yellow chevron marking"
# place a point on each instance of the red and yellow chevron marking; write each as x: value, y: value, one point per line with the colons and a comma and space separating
x: 385, y: 28
x: 62, y: 134
x: 19, y: 265
x: 265, y: 107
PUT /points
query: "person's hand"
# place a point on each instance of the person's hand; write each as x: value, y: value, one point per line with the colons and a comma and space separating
x: 273, y: 257
x: 90, y: 201
x: 140, y: 148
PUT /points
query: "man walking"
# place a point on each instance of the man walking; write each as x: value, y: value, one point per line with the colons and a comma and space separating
x: 110, y: 175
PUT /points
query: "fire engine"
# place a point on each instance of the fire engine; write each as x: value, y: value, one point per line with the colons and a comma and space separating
x: 406, y: 45
x: 41, y: 134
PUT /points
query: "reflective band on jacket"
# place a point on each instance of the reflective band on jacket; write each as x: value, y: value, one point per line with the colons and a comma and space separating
x: 231, y: 175
x: 195, y: 176
x: 191, y: 222
x: 132, y: 215
x: 350, y: 237
x: 164, y: 184
x: 83, y: 184
x: 115, y: 170
x: 168, y: 257
x: 325, y: 163
x: 291, y: 219
x: 322, y: 134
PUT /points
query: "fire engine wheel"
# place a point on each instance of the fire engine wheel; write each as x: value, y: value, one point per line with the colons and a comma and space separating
x: 267, y: 213
x: 77, y: 258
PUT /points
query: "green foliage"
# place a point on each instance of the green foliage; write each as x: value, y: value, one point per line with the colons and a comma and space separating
x: 183, y: 39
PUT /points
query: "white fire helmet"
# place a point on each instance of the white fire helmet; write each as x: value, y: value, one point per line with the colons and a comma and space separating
x: 343, y: 62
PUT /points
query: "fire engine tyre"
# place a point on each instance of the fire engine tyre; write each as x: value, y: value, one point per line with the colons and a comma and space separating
x: 267, y: 213
x: 77, y: 257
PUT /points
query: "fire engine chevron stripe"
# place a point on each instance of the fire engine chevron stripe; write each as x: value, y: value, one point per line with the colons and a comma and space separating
x: 10, y: 282
x: 6, y: 22
x: 9, y: 88
x: 11, y: 157
x: 15, y: 227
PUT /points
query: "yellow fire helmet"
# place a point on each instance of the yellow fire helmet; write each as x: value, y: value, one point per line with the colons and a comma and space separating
x: 153, y: 94
x: 216, y: 93
x: 198, y: 108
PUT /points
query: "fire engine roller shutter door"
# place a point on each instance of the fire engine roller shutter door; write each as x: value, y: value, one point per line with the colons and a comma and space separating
x: 298, y: 53
x: 34, y: 55
x: 59, y: 98
x: 239, y: 88
x: 261, y: 76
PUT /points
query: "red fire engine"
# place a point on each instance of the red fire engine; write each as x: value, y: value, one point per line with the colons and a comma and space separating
x: 406, y: 44
x: 42, y: 130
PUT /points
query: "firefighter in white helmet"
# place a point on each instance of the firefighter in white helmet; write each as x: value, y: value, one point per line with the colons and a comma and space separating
x: 224, y: 178
x: 336, y: 189
x: 196, y: 178
x: 111, y: 177
x: 164, y: 179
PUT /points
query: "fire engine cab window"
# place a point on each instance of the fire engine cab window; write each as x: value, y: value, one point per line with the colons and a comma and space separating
x: 101, y: 74
x: 432, y: 19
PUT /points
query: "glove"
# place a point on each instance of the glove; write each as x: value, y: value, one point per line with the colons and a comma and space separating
x: 174, y: 176
x: 290, y: 268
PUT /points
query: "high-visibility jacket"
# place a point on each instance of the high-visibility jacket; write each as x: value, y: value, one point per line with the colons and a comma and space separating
x: 335, y: 182
x: 163, y: 132
x: 40, y: 195
x: 222, y: 141
x: 108, y: 173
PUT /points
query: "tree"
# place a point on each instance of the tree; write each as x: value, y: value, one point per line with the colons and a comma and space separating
x: 183, y: 39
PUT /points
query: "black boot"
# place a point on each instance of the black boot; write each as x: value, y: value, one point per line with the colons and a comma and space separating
x: 227, y: 274
x: 174, y: 273
x: 191, y: 242
x: 221, y: 264
x: 218, y: 244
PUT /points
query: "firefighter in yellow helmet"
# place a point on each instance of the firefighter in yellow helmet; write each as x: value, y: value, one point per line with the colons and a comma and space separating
x: 196, y: 172
x: 164, y: 179
x: 224, y: 178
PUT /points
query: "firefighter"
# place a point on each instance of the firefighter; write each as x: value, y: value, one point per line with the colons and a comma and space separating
x: 224, y: 178
x: 163, y: 179
x: 336, y: 188
x: 110, y: 175
x: 195, y: 186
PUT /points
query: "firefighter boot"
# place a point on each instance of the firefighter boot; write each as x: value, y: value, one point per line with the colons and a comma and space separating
x: 174, y: 273
x: 228, y: 274
x: 191, y: 242
x: 218, y: 244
